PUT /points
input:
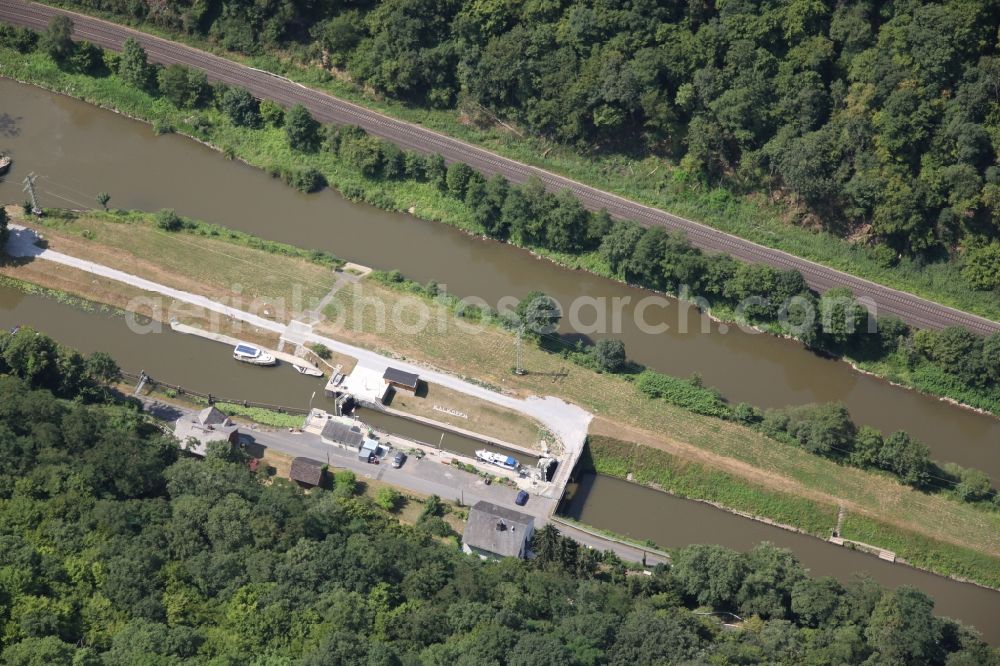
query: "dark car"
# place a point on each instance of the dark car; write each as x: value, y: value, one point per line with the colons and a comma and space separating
x: 398, y: 459
x: 522, y: 498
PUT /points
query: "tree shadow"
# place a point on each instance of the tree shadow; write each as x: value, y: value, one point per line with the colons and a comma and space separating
x: 9, y: 126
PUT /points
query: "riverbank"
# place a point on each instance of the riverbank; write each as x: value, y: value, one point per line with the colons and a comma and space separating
x: 786, y: 473
x: 660, y: 470
x: 267, y: 149
x: 652, y: 181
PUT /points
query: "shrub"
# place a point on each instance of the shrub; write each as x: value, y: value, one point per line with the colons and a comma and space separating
x: 272, y: 113
x: 304, y: 180
x: 21, y: 39
x: 388, y: 498
x: 610, y: 355
x: 321, y: 350
x: 301, y: 130
x: 345, y: 482
x: 242, y: 108
x: 982, y: 267
x: 682, y: 392
x: 168, y: 220
x: 974, y: 485
x: 433, y: 507
x: 133, y: 67
x: 825, y: 429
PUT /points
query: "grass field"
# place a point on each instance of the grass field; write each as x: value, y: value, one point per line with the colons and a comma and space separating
x: 226, y: 271
x: 650, y: 180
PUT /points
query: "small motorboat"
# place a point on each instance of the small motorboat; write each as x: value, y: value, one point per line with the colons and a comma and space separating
x: 252, y: 355
x: 4, y: 164
x: 307, y: 370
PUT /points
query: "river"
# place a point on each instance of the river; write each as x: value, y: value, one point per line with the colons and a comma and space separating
x: 78, y: 150
x: 603, y: 502
x: 672, y: 522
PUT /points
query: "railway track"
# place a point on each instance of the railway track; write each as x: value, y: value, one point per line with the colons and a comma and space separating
x: 917, y: 311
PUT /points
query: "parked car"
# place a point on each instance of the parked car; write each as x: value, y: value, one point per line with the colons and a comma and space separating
x: 522, y: 498
x: 398, y: 459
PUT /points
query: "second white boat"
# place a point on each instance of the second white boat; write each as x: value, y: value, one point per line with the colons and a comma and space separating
x: 252, y: 355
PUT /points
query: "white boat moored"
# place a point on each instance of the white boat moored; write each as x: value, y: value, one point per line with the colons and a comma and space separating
x: 500, y: 460
x: 253, y: 355
x: 306, y: 370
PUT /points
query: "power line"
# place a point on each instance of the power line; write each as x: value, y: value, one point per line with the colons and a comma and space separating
x: 59, y: 196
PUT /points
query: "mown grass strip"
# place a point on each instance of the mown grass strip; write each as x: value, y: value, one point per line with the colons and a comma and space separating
x: 924, y: 552
x: 652, y: 467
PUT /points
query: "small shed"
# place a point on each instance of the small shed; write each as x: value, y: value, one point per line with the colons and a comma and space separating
x: 399, y: 379
x: 342, y: 433
x: 368, y: 449
x: 307, y: 471
x: 208, y: 425
x: 496, y: 531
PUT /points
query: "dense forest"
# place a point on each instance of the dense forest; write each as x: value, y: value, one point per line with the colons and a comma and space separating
x: 117, y: 549
x: 879, y: 119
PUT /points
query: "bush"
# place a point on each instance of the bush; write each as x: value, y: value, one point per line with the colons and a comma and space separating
x: 746, y: 414
x: 242, y: 108
x: 345, y: 483
x: 982, y: 267
x: 272, y: 113
x: 610, y: 355
x: 433, y: 507
x: 824, y: 429
x: 183, y: 87
x: 20, y: 39
x: 388, y: 498
x: 168, y: 220
x: 301, y: 130
x: 436, y: 526
x: 321, y: 350
x: 973, y: 486
x: 133, y: 67
x: 682, y: 392
x: 304, y: 180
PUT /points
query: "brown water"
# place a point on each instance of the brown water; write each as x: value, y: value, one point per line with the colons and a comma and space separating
x: 426, y: 434
x: 78, y: 150
x: 671, y: 522
x: 185, y: 360
x: 604, y: 502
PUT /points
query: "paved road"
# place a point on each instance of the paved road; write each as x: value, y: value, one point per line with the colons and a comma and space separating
x: 427, y: 476
x: 915, y: 310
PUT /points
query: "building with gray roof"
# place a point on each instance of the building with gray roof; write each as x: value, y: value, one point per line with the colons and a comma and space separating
x: 496, y: 531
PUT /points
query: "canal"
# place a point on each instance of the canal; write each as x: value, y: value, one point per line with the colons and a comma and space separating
x: 672, y: 522
x: 445, y: 440
x: 78, y: 150
x: 603, y: 502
